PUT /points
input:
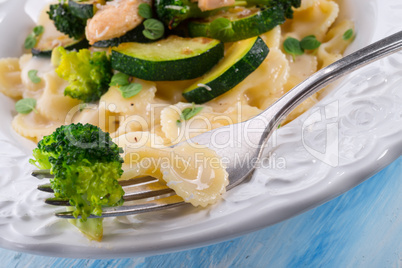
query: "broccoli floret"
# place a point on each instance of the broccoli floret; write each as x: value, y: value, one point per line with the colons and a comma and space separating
x: 88, y: 74
x: 184, y: 9
x: 86, y: 165
x: 286, y: 5
x: 65, y: 21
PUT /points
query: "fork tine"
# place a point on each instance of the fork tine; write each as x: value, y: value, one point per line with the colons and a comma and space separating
x: 45, y: 188
x: 137, y: 192
x: 139, y: 180
x: 45, y: 173
x: 153, y: 205
x: 57, y: 201
x: 132, y: 192
x: 146, y: 191
x: 135, y: 189
x: 131, y: 182
x: 42, y: 174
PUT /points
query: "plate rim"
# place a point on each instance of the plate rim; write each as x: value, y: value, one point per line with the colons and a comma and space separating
x: 238, y: 226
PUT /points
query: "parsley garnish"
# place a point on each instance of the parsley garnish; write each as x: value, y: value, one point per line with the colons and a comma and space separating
x: 292, y: 47
x: 145, y: 11
x: 25, y: 106
x: 221, y: 28
x: 348, y: 34
x: 32, y: 75
x: 120, y: 79
x: 154, y: 29
x: 189, y: 113
x: 130, y: 90
x: 127, y: 89
x: 38, y: 30
x: 31, y: 39
x: 310, y: 43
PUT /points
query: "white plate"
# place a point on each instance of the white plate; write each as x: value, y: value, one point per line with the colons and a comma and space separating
x: 366, y: 108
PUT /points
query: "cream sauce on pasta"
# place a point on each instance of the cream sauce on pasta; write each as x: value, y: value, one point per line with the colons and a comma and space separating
x: 154, y: 112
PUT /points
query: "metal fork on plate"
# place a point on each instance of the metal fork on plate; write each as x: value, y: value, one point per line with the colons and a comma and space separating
x: 245, y: 144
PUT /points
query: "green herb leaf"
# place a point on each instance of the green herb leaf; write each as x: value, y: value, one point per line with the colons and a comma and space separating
x: 348, y: 34
x: 310, y: 43
x: 189, y: 113
x: 25, y: 106
x: 292, y: 46
x: 130, y: 90
x: 38, y: 30
x: 32, y: 75
x: 120, y: 79
x: 221, y: 28
x: 30, y: 41
x: 145, y: 11
x: 154, y: 29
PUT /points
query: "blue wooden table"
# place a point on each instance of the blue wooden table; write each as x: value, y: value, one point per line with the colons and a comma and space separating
x: 361, y: 228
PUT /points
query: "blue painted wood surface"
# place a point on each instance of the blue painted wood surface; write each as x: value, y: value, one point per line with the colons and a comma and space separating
x: 361, y: 228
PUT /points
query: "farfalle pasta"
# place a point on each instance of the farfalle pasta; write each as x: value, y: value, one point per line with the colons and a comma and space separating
x: 157, y: 112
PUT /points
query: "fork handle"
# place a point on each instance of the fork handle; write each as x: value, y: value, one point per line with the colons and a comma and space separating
x: 275, y: 114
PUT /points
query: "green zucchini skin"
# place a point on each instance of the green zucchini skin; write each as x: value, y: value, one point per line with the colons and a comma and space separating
x: 262, y: 21
x: 167, y: 70
x: 235, y: 74
x: 135, y: 35
x: 47, y: 52
x: 83, y: 10
x: 184, y: 9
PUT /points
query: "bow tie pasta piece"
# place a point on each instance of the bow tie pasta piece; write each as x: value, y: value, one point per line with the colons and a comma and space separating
x: 198, y: 176
x: 33, y: 125
x: 195, y: 174
x: 334, y: 45
x: 10, y: 78
x: 136, y: 104
x: 42, y: 66
x: 53, y: 104
x: 178, y: 129
x: 314, y: 18
x: 138, y: 139
x: 94, y: 114
x: 260, y: 89
x: 271, y: 75
x: 272, y: 38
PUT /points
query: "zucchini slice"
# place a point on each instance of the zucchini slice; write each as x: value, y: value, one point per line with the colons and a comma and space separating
x: 135, y: 35
x: 44, y: 48
x: 244, y: 23
x: 84, y: 9
x: 241, y: 59
x: 52, y: 38
x: 171, y: 59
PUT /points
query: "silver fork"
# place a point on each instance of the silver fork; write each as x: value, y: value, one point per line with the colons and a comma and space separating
x: 244, y: 141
